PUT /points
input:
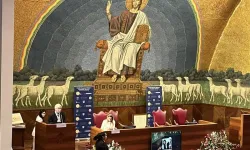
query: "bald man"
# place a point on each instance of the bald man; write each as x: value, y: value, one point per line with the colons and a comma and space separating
x: 58, y: 116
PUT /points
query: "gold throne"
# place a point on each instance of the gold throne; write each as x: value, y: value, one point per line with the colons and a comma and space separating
x: 133, y: 87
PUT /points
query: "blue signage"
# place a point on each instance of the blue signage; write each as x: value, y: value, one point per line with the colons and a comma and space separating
x: 153, y: 102
x: 83, y: 110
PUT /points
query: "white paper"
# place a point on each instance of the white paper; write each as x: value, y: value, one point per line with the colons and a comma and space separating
x: 140, y: 121
x: 61, y: 125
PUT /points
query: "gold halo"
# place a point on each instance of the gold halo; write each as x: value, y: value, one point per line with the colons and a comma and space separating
x: 129, y: 4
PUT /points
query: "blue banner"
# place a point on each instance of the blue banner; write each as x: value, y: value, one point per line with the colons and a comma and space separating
x: 83, y: 110
x: 153, y: 102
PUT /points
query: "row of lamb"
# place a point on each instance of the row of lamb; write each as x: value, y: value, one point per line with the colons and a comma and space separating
x: 189, y: 89
x: 31, y: 90
x: 228, y: 92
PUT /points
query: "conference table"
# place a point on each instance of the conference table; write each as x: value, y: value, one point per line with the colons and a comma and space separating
x: 140, y: 138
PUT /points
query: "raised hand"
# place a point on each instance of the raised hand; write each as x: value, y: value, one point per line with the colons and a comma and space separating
x: 109, y: 3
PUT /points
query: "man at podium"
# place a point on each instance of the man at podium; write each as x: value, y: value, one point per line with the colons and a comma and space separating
x: 58, y: 116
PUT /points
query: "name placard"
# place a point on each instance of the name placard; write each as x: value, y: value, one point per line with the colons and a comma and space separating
x: 115, y: 131
x: 61, y: 125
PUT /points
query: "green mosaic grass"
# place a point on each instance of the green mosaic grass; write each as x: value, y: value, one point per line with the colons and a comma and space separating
x: 141, y: 102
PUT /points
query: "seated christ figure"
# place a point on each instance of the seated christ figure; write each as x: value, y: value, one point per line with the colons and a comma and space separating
x: 122, y: 48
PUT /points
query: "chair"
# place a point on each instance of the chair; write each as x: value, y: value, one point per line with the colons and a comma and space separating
x: 133, y: 87
x: 114, y: 114
x: 179, y: 116
x: 160, y: 118
x: 98, y: 118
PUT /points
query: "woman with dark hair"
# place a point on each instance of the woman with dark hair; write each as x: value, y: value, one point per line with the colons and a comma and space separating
x: 100, y: 141
x: 39, y: 118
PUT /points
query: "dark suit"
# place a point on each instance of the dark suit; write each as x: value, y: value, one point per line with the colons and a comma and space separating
x: 53, y: 118
x: 101, y: 145
x: 164, y: 146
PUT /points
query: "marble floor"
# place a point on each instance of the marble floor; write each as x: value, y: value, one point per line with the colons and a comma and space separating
x: 80, y: 145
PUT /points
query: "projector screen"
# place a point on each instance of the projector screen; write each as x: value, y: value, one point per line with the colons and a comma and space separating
x: 170, y: 140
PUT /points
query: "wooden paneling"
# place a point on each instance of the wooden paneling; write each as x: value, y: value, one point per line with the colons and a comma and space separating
x: 239, y: 131
x: 245, y: 132
x: 51, y: 137
x: 218, y: 114
x: 140, y: 139
x: 197, y: 112
x: 207, y: 112
x: 215, y: 113
x: 234, y: 129
x: 230, y: 112
x: 18, y: 138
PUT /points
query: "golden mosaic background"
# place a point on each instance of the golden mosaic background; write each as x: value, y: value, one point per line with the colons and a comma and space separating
x: 26, y: 12
x: 224, y: 32
x: 214, y: 15
x: 233, y: 48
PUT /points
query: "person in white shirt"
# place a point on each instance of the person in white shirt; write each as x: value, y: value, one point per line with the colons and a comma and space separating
x: 39, y: 118
x: 108, y: 124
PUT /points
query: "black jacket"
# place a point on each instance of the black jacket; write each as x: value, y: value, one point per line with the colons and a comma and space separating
x: 101, y: 145
x: 53, y: 118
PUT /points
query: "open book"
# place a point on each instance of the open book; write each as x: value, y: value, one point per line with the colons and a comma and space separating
x: 17, y: 120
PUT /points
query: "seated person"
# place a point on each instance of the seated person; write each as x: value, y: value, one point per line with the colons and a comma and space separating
x: 39, y: 118
x: 58, y: 116
x: 108, y: 124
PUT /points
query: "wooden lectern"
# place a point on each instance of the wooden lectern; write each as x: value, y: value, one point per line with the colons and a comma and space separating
x: 55, y: 136
x: 18, y: 137
x: 239, y: 131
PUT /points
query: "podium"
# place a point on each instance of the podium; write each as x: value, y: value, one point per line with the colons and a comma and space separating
x: 55, y: 136
x: 18, y: 137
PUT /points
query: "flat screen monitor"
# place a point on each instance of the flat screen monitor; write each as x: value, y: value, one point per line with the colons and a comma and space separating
x: 170, y: 140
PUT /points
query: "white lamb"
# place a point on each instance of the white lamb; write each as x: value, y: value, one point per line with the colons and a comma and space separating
x: 168, y: 88
x: 57, y: 90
